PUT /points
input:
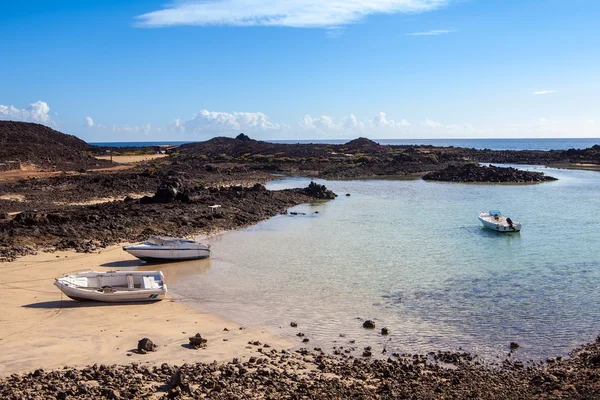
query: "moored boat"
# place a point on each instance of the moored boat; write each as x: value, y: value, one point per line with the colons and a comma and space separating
x: 168, y: 249
x: 495, y: 221
x: 113, y: 286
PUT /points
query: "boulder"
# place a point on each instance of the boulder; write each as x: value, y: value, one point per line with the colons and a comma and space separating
x: 369, y: 324
x: 145, y: 345
x: 197, y: 341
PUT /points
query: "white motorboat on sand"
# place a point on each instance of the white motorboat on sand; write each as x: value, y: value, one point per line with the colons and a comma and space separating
x: 495, y: 221
x: 113, y: 286
x: 168, y: 249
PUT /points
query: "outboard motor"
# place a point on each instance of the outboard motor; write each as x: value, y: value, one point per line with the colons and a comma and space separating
x: 509, y: 222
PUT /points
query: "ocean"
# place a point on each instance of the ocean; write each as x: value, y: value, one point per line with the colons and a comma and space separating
x: 493, y: 144
x: 412, y: 256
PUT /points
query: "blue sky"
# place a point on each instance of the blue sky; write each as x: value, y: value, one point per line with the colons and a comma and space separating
x: 109, y: 70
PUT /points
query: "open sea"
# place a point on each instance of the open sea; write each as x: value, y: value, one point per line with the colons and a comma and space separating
x: 493, y: 144
x: 412, y: 256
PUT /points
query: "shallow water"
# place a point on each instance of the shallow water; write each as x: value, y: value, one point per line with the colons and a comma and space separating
x: 412, y: 256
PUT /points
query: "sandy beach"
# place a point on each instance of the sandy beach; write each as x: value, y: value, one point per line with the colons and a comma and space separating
x: 41, y: 328
x: 132, y: 158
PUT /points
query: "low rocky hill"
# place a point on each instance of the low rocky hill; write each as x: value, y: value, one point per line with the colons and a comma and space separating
x: 472, y: 172
x: 24, y: 144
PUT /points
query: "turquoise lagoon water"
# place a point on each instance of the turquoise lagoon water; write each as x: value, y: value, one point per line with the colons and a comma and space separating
x: 412, y: 256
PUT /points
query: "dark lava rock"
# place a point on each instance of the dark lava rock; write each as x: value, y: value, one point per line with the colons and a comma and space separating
x: 293, y: 324
x: 472, y: 172
x: 197, y: 341
x: 361, y: 142
x: 513, y: 346
x: 145, y: 345
x: 368, y: 324
x: 243, y: 137
x: 385, y: 331
x: 319, y: 191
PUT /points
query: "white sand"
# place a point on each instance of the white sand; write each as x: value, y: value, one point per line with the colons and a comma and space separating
x: 41, y: 328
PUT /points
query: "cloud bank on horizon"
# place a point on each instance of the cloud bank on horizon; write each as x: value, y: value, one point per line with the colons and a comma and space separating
x: 289, y: 13
x: 206, y: 124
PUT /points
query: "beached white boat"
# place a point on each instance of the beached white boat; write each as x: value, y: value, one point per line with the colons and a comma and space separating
x: 168, y: 249
x: 495, y: 221
x: 113, y: 286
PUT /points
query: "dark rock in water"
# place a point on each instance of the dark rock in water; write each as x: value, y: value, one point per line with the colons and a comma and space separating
x: 305, y: 340
x: 145, y: 345
x: 348, y: 194
x: 368, y: 324
x: 367, y: 352
x: 197, y: 341
x: 514, y: 346
x: 385, y: 331
x: 243, y: 137
x: 293, y: 324
x: 319, y: 191
x: 472, y: 172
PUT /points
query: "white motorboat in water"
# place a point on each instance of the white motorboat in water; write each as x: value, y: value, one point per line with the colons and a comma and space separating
x: 113, y: 286
x: 168, y: 249
x: 495, y: 221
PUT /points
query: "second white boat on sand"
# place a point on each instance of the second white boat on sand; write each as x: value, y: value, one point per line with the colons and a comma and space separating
x: 114, y: 286
x: 168, y: 249
x: 495, y: 221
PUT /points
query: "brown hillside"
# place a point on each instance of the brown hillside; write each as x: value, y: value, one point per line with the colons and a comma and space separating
x: 23, y: 143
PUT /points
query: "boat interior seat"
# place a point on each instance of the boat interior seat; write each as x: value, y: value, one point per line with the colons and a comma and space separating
x: 130, y: 284
x: 81, y: 282
x: 148, y: 282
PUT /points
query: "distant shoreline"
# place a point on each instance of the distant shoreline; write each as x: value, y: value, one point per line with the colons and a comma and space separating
x: 480, y: 144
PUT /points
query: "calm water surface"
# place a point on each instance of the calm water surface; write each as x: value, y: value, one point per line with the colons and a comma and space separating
x: 412, y: 256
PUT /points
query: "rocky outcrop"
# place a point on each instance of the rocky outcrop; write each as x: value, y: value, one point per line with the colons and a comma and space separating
x: 472, y: 172
x: 319, y: 191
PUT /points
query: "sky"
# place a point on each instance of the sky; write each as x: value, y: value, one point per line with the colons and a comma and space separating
x: 146, y: 70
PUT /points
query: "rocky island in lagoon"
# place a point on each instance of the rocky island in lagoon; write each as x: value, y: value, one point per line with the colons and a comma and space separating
x: 63, y: 199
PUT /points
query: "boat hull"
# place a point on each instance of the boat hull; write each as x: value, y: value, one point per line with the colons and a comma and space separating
x: 114, y: 286
x: 116, y: 297
x: 153, y: 255
x: 500, y: 227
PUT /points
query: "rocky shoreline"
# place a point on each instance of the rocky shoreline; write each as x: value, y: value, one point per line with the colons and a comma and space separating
x: 486, y: 174
x: 177, y: 208
x: 273, y: 374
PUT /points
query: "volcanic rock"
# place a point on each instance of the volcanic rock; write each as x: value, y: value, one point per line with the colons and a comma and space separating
x: 197, y: 341
x: 471, y: 172
x: 369, y: 324
x: 145, y: 345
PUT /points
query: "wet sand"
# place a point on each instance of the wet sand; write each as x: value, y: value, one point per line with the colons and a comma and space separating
x: 41, y: 328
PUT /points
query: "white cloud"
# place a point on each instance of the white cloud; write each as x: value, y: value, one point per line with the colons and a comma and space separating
x: 381, y: 121
x: 290, y: 13
x: 433, y: 32
x: 223, y: 122
x: 89, y: 122
x: 428, y: 123
x: 36, y: 112
x: 326, y: 125
x: 143, y: 129
x: 544, y: 92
